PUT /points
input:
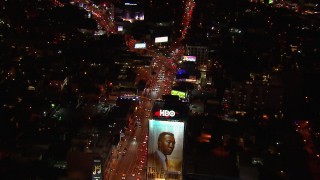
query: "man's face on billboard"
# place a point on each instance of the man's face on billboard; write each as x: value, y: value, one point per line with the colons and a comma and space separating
x: 166, y: 144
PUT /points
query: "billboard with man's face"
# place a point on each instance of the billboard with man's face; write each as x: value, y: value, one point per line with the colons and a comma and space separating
x: 165, y: 150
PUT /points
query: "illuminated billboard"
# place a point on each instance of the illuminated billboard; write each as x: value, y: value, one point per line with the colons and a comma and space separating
x: 189, y: 58
x: 120, y: 28
x: 161, y: 39
x: 165, y: 113
x: 165, y: 150
x: 181, y: 94
x: 140, y: 45
x: 97, y: 169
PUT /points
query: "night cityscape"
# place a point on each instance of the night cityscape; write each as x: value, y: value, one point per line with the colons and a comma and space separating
x: 88, y: 87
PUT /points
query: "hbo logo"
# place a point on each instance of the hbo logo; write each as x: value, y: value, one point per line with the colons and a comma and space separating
x: 167, y: 113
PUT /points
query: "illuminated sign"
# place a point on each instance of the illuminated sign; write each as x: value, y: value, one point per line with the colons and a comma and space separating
x: 165, y: 113
x: 165, y: 150
x: 130, y: 4
x: 97, y: 169
x: 181, y: 94
x: 120, y: 28
x: 161, y: 39
x: 140, y: 45
x: 189, y: 58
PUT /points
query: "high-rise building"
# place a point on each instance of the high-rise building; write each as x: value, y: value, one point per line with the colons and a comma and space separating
x: 263, y: 91
x: 202, y: 61
x: 201, y: 53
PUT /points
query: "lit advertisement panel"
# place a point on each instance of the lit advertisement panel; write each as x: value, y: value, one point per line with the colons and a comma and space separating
x: 181, y: 94
x: 120, y: 28
x: 140, y: 45
x: 165, y: 141
x: 97, y: 169
x: 161, y: 39
x: 130, y: 4
x: 189, y: 58
x: 181, y: 71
